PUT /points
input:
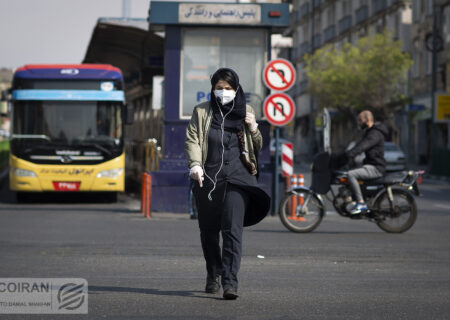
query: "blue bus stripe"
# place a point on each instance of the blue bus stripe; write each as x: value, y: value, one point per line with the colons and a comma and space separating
x: 74, y: 95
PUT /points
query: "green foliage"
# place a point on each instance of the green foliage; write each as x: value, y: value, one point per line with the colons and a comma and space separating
x: 368, y: 75
x: 4, y: 153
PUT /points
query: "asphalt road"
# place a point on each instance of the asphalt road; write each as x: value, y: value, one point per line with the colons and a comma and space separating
x: 140, y: 268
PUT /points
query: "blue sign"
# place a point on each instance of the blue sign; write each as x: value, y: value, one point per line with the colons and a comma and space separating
x: 416, y: 107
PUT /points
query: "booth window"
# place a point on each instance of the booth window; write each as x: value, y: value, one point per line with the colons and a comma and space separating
x: 204, y: 50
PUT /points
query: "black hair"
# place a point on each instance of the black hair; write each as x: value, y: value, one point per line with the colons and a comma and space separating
x: 224, y: 74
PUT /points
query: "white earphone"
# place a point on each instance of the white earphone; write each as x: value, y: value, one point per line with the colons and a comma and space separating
x: 222, y: 128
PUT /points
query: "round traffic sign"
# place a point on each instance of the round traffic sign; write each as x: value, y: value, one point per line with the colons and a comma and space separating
x: 279, y: 109
x: 279, y: 75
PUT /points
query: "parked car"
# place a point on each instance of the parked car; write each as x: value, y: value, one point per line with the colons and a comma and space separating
x: 394, y: 156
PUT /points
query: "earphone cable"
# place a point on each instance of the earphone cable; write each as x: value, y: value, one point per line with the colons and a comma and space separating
x: 222, y: 127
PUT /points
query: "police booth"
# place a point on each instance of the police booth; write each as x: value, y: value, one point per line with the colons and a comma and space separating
x: 199, y: 39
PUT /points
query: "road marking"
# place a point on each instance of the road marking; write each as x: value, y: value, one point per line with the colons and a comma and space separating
x: 442, y: 206
x: 430, y: 188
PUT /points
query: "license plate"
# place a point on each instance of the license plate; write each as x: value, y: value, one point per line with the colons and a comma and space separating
x: 66, y: 186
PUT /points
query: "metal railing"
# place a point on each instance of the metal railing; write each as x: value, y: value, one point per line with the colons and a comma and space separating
x: 317, y: 40
x: 152, y: 155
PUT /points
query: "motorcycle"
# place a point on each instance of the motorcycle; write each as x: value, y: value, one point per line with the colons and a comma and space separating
x: 390, y: 199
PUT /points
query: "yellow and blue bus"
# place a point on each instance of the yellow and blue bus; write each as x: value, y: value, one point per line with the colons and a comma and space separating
x: 67, y: 129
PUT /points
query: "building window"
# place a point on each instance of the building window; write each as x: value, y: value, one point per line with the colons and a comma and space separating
x: 416, y: 59
x: 305, y: 32
x: 428, y: 6
x: 428, y: 62
x: 416, y: 9
x: 397, y: 26
x: 317, y: 25
x: 446, y: 24
x: 346, y: 8
x: 331, y: 14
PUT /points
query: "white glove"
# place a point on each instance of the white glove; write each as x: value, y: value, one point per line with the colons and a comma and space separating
x: 196, y: 173
x: 250, y: 120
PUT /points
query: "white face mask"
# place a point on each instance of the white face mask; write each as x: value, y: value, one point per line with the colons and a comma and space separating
x: 225, y: 95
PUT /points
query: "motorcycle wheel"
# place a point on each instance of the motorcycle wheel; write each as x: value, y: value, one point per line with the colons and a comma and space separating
x: 403, y: 215
x: 301, y: 218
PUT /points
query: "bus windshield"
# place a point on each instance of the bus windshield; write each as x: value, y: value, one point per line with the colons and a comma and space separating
x: 69, y: 123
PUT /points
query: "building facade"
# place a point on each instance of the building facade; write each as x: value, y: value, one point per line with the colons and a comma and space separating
x: 315, y: 23
x: 420, y: 83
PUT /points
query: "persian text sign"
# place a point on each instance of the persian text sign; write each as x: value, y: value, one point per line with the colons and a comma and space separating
x: 219, y: 13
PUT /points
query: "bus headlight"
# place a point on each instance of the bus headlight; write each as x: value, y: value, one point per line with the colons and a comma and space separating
x: 112, y: 173
x: 23, y: 173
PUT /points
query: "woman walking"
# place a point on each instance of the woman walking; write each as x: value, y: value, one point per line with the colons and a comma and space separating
x: 222, y: 145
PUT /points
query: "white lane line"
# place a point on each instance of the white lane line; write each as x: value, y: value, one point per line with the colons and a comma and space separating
x: 431, y: 189
x: 442, y: 206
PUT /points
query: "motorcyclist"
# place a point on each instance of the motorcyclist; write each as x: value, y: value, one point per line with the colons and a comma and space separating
x: 374, y: 165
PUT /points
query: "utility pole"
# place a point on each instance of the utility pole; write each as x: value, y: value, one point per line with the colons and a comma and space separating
x: 435, y: 46
x: 312, y: 129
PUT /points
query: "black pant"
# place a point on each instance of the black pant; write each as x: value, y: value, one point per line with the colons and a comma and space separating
x: 228, y: 219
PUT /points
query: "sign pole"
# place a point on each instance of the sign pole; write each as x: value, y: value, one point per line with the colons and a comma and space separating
x: 279, y: 109
x: 276, y: 186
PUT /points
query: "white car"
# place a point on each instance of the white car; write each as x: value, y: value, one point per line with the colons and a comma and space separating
x: 394, y: 156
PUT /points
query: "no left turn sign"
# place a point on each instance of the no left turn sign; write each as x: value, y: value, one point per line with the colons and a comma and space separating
x: 279, y: 109
x: 279, y: 75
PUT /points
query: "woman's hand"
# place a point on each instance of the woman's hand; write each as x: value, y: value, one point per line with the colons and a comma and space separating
x: 196, y: 173
x: 250, y: 120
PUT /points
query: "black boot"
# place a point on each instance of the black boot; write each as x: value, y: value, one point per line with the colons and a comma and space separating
x: 229, y: 292
x: 212, y: 284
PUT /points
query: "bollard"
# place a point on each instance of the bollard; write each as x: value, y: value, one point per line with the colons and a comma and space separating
x: 294, y: 198
x: 297, y: 181
x: 301, y: 183
x: 148, y: 195
x: 144, y: 181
